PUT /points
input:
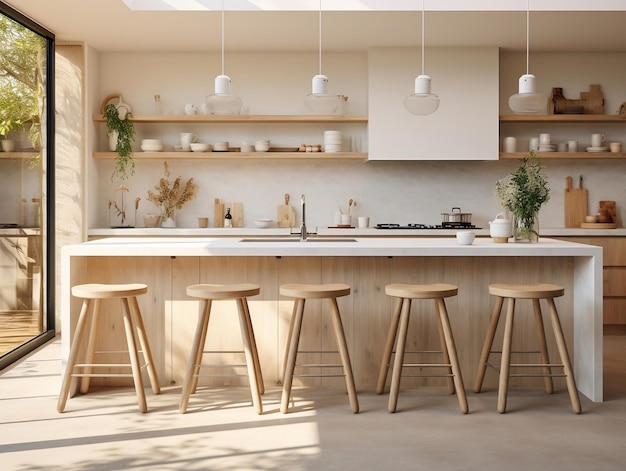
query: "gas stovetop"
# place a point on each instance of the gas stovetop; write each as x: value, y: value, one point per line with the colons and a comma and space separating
x: 443, y: 225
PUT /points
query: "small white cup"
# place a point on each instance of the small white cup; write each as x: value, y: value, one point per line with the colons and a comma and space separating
x: 346, y: 219
x: 465, y: 237
x: 572, y: 146
x: 187, y: 138
x: 509, y: 145
x: 615, y: 146
x: 533, y: 144
x: 597, y: 140
x: 364, y: 222
x: 544, y: 138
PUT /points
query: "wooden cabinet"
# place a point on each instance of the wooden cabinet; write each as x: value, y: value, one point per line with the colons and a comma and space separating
x: 562, y: 128
x: 283, y: 120
x: 465, y: 125
x: 614, y: 275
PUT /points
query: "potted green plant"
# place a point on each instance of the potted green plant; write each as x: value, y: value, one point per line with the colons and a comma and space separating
x: 523, y: 192
x: 120, y: 125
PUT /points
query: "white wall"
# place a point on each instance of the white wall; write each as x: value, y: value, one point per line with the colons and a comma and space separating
x: 387, y: 191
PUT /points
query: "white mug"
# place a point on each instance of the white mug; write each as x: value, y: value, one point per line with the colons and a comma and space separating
x: 510, y: 145
x: 544, y: 138
x: 364, y: 222
x: 533, y: 144
x: 572, y: 146
x: 187, y: 138
x: 597, y: 140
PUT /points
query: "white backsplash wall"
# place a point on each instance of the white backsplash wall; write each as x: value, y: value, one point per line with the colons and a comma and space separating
x: 398, y: 192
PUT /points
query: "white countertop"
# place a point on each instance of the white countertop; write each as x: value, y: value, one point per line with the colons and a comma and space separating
x: 291, y: 246
x: 353, y: 232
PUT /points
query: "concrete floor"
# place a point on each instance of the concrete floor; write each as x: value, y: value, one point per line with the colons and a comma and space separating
x: 104, y: 430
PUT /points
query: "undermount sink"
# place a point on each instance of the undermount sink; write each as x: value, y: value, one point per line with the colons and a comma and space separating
x: 293, y: 239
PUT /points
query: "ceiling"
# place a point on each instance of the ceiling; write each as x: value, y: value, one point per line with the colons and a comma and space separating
x: 109, y: 25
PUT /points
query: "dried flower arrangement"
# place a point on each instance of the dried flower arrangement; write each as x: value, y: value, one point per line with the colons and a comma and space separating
x: 171, y: 198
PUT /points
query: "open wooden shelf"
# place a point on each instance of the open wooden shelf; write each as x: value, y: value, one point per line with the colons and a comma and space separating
x: 566, y: 155
x: 19, y: 154
x: 242, y: 119
x: 240, y: 155
x: 563, y: 118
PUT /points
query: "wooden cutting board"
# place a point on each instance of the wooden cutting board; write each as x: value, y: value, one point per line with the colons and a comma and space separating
x: 610, y: 207
x: 286, y: 215
x: 218, y: 213
x: 575, y: 203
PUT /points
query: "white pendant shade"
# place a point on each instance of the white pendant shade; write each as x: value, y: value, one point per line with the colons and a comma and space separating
x: 527, y: 101
x: 422, y: 102
x: 222, y: 102
x: 319, y: 101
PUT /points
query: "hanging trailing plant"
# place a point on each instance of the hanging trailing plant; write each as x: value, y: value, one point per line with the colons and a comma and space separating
x: 125, y: 130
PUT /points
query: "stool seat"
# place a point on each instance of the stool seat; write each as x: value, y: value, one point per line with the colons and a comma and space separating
x: 438, y: 290
x: 397, y: 336
x: 534, y: 292
x: 302, y: 292
x: 92, y: 295
x: 107, y: 291
x: 311, y: 291
x: 538, y: 291
x: 216, y: 292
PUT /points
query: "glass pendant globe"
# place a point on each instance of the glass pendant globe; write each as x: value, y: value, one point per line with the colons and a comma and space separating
x: 319, y: 101
x: 222, y: 102
x: 422, y: 102
x: 527, y: 101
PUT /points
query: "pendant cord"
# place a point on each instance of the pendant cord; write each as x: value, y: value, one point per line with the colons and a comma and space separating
x: 319, y: 22
x: 527, y: 33
x: 422, y: 37
x: 222, y: 37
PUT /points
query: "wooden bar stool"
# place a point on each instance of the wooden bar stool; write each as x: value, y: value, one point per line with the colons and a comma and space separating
x: 208, y: 293
x: 398, y: 334
x: 302, y: 292
x: 535, y: 293
x: 92, y: 294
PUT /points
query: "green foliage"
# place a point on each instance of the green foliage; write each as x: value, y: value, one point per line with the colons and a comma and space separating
x: 124, y: 163
x: 524, y: 191
x: 22, y: 72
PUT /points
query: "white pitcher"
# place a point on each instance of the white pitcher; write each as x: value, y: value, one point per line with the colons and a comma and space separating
x: 187, y: 138
x: 500, y: 229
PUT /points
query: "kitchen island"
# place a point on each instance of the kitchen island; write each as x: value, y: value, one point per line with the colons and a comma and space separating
x: 168, y: 265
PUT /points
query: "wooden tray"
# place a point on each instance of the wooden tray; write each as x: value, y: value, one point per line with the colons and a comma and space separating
x: 598, y: 225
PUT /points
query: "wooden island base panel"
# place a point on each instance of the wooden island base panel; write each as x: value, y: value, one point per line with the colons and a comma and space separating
x: 169, y: 265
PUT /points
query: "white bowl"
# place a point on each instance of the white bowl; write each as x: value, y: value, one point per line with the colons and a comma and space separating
x: 465, y: 237
x: 199, y: 147
x: 263, y: 223
x: 151, y: 147
x: 151, y: 142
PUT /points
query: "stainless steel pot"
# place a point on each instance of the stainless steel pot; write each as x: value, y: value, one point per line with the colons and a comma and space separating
x: 457, y: 216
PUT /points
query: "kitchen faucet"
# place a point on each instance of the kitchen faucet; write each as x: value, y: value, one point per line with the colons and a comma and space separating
x: 303, y: 230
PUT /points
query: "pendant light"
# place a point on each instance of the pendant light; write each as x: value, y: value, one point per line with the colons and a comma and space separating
x: 527, y: 101
x: 422, y: 102
x: 319, y: 101
x: 222, y: 102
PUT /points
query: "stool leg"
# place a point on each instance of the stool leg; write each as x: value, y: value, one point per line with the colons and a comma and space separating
x: 249, y: 345
x: 345, y: 356
x: 543, y: 346
x: 73, y: 357
x: 292, y: 352
x: 195, y: 356
x: 91, y: 346
x: 454, y: 360
x: 443, y: 342
x: 396, y: 372
x: 134, y: 356
x: 567, y: 366
x: 145, y: 346
x: 391, y: 339
x: 255, y: 352
x: 505, y: 362
x: 484, y: 356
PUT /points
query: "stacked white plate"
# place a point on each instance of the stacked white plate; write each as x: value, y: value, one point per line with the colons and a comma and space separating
x: 597, y: 149
x: 547, y: 147
x: 151, y: 145
x: 332, y: 141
